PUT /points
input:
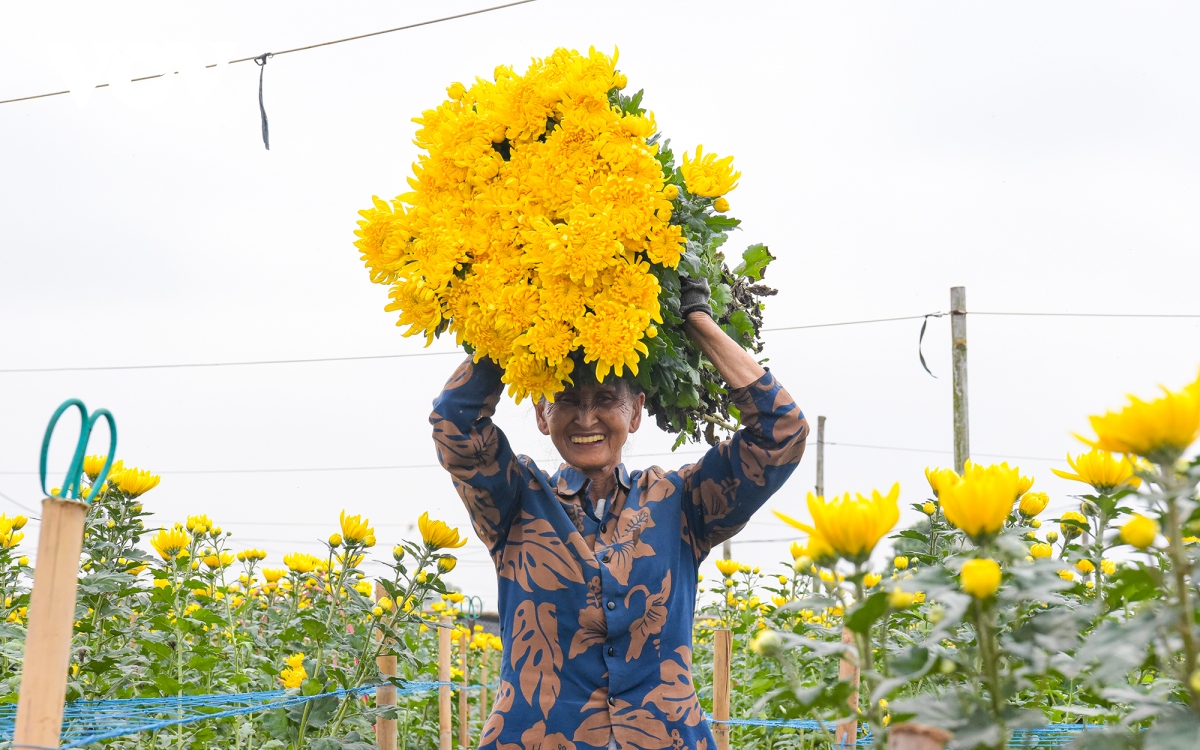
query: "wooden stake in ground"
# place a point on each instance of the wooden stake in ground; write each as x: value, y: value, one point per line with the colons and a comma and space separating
x: 385, y: 697
x: 821, y: 456
x: 958, y: 358
x: 722, y: 654
x: 445, y: 706
x: 464, y: 705
x: 917, y: 737
x: 847, y: 731
x: 51, y: 621
x: 483, y: 686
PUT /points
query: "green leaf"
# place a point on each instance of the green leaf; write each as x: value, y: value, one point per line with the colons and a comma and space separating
x: 755, y: 260
x: 315, y: 629
x: 864, y: 615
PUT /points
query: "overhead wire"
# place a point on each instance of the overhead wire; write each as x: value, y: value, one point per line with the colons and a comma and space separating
x: 294, y: 49
x: 458, y: 352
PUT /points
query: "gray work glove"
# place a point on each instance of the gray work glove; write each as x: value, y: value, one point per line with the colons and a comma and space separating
x: 694, y: 296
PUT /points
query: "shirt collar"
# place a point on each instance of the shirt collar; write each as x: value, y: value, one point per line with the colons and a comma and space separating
x: 568, y: 481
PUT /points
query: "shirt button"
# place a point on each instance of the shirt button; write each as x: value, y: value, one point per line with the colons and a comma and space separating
x: 611, y: 651
x: 612, y: 605
x: 606, y: 558
x: 612, y: 701
x: 604, y: 527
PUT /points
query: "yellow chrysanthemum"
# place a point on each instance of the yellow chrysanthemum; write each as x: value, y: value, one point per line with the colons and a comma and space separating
x: 300, y: 562
x: 727, y: 567
x: 1033, y: 503
x: 980, y: 577
x: 1104, y: 471
x: 215, y: 561
x: 707, y: 175
x: 131, y: 481
x: 355, y: 529
x: 980, y: 501
x: 438, y: 535
x: 850, y: 527
x: 170, y: 543
x: 530, y: 198
x: 939, y: 478
x: 1158, y: 430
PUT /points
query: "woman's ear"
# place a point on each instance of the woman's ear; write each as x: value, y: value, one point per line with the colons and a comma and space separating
x: 539, y: 410
x: 635, y: 419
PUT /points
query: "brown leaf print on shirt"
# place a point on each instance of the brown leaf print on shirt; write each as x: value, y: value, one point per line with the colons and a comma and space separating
x: 535, y: 738
x: 676, y: 695
x: 637, y: 729
x: 534, y: 555
x: 461, y: 375
x: 593, y: 625
x: 656, y: 485
x: 652, y: 620
x: 466, y: 455
x: 503, y: 702
x: 716, y: 498
x: 537, y: 653
x: 596, y: 727
x: 627, y: 544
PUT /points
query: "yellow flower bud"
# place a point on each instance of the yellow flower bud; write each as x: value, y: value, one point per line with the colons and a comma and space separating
x: 929, y: 508
x: 981, y: 577
x: 620, y: 80
x: 901, y: 599
x: 766, y: 643
x: 1041, y: 550
x: 901, y: 562
x: 1139, y: 531
x: 456, y: 91
x: 335, y: 540
x: 1108, y: 566
x: 446, y: 564
x: 670, y: 192
x: 1033, y: 503
x: 1052, y: 536
x: 377, y: 611
x: 398, y: 553
x: 1085, y: 566
x: 720, y: 205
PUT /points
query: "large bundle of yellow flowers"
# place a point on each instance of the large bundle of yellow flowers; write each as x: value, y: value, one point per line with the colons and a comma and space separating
x: 540, y: 223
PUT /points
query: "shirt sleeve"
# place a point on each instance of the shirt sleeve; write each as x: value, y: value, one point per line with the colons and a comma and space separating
x: 486, y: 473
x: 724, y: 488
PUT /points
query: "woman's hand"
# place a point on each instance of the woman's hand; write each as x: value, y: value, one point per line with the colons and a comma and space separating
x: 736, y: 365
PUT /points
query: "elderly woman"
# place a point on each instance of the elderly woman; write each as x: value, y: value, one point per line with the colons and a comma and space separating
x: 597, y: 565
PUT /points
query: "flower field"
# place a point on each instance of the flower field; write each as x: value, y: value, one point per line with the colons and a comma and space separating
x: 987, y: 617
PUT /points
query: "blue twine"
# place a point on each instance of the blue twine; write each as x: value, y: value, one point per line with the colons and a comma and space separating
x: 85, y: 722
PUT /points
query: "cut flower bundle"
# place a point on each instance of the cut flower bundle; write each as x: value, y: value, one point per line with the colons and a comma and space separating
x: 547, y: 229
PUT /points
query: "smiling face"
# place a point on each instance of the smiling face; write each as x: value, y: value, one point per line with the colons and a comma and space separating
x: 589, y: 424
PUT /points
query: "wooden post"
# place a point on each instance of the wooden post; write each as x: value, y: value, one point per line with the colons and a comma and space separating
x: 722, y: 654
x: 847, y: 731
x: 917, y: 737
x: 821, y: 456
x: 958, y: 357
x: 483, y: 685
x: 51, y: 622
x: 445, y: 707
x: 464, y: 705
x: 385, y: 697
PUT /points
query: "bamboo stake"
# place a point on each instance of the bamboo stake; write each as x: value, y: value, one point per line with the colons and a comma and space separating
x: 385, y: 697
x: 917, y: 737
x: 445, y: 707
x: 483, y: 689
x: 821, y: 456
x: 464, y: 705
x: 958, y: 357
x: 722, y: 654
x: 847, y: 731
x: 51, y: 621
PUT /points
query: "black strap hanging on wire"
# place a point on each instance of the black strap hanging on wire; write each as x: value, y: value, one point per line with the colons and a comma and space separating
x: 261, y: 61
x: 921, y: 340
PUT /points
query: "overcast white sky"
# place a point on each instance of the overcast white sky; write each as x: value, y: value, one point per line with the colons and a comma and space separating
x: 1044, y: 155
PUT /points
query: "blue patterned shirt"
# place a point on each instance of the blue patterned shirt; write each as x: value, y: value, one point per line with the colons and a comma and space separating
x: 596, y: 611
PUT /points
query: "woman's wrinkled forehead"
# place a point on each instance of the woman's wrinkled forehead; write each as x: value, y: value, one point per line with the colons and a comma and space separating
x: 618, y: 390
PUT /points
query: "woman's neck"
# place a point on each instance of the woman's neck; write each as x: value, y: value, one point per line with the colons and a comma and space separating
x: 601, y: 483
